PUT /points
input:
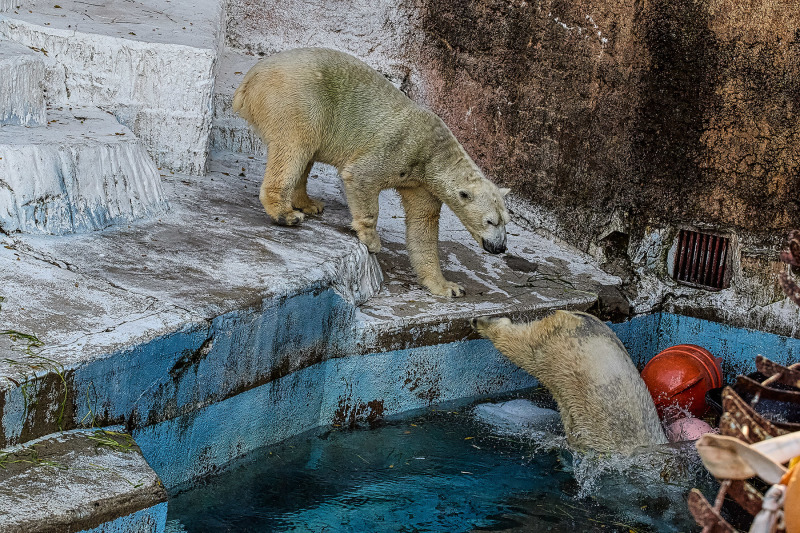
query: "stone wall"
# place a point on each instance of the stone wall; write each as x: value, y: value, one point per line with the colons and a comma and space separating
x: 682, y: 111
x: 623, y: 117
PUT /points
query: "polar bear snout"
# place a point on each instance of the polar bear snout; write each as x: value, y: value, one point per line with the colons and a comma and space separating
x: 494, y: 247
x: 496, y: 243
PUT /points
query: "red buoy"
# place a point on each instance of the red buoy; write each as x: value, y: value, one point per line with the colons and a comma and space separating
x: 679, y: 377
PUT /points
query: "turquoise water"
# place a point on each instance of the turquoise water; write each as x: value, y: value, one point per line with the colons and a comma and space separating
x: 443, y: 471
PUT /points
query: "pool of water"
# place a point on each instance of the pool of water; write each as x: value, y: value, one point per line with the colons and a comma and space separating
x: 442, y: 470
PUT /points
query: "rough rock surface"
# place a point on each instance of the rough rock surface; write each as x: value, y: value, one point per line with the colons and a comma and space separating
x: 679, y: 111
x: 74, y: 481
x: 21, y: 86
x: 82, y: 172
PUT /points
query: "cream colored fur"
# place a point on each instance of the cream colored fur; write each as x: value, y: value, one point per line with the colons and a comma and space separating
x: 315, y: 104
x: 604, y: 403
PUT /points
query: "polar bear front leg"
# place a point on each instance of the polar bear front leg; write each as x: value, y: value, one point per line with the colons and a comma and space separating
x: 422, y: 240
x: 512, y: 340
x: 363, y: 203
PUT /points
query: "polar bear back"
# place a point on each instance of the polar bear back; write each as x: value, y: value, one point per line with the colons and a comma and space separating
x: 331, y: 103
x: 604, y: 403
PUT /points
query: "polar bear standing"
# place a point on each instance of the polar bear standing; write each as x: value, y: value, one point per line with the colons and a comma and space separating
x: 604, y: 403
x: 315, y: 104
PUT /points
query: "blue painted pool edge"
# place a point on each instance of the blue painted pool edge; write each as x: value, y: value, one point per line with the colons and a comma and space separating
x: 149, y: 520
x: 336, y: 391
x: 645, y: 336
x: 344, y: 389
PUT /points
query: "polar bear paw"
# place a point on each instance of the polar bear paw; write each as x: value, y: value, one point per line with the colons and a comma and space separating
x: 482, y: 324
x: 292, y: 218
x: 371, y: 239
x: 309, y: 206
x: 448, y: 289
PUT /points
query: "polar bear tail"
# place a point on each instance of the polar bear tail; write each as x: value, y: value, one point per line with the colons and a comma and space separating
x: 238, y: 98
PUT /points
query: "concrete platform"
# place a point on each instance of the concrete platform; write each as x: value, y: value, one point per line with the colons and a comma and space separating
x: 213, y: 315
x: 80, y: 481
x: 150, y: 63
x: 83, y: 171
x: 21, y: 86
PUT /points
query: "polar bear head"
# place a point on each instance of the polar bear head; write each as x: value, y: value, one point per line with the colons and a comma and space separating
x: 479, y: 204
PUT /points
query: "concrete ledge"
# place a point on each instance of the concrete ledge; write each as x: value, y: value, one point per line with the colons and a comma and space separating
x: 211, y: 313
x: 79, y: 481
x: 21, y: 86
x: 82, y: 172
x: 150, y: 63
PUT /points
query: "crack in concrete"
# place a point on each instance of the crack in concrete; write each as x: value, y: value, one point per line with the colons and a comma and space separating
x: 28, y: 250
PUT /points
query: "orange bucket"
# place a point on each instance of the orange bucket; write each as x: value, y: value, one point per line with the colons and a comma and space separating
x: 679, y: 377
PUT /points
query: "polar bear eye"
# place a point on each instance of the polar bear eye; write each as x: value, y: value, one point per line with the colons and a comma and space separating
x: 465, y: 195
x: 490, y: 223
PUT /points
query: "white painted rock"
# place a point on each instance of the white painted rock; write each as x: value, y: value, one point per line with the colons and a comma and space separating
x: 84, y: 171
x: 516, y: 416
x: 21, y: 85
x: 230, y: 132
x: 149, y: 62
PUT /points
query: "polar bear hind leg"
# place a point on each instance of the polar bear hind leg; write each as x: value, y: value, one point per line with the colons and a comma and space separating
x: 284, y: 174
x: 300, y: 199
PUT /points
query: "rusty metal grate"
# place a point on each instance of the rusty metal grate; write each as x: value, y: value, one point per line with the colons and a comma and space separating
x: 701, y: 259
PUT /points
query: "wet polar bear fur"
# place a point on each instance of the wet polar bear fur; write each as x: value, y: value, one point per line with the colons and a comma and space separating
x: 604, y: 403
x: 316, y: 104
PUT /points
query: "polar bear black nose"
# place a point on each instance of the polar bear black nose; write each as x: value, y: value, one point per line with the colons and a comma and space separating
x: 494, y: 247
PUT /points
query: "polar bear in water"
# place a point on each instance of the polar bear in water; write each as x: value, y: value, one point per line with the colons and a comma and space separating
x: 604, y: 403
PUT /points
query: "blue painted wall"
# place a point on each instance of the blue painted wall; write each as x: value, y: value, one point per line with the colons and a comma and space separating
x: 341, y: 390
x: 207, y: 362
x: 150, y: 520
x: 645, y: 336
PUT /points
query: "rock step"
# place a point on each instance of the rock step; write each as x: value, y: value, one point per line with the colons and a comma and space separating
x: 21, y: 85
x: 77, y: 481
x: 229, y: 132
x: 84, y: 171
x: 149, y: 62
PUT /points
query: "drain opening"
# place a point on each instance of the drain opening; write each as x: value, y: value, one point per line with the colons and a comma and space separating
x: 700, y: 260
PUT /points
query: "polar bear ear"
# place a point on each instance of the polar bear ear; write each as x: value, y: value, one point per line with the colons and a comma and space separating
x: 504, y: 191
